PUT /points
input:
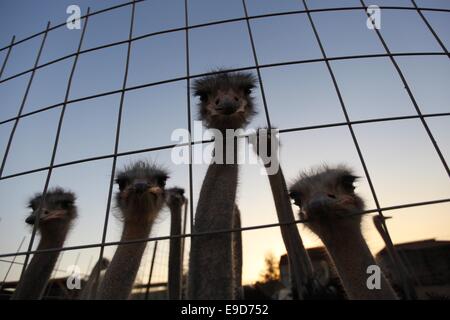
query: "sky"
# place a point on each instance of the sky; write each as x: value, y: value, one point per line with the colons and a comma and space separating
x: 400, y: 157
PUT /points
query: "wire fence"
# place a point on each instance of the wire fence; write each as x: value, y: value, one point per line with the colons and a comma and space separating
x: 257, y: 67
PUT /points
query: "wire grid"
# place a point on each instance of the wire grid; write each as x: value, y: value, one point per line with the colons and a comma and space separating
x: 187, y: 78
x: 156, y: 268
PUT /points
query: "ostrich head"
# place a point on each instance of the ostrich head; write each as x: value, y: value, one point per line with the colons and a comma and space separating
x: 225, y: 99
x: 326, y: 198
x: 141, y: 191
x: 175, y: 197
x: 103, y: 264
x: 56, y: 211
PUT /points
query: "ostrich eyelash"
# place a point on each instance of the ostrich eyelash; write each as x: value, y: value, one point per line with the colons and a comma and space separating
x: 121, y: 182
x: 66, y: 204
x: 348, y: 181
x: 161, y: 180
x: 203, y: 96
x: 294, y: 195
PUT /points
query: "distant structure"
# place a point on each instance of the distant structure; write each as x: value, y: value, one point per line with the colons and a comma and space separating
x: 324, y: 272
x: 428, y: 261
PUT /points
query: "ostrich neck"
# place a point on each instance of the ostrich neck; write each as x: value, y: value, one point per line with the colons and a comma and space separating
x: 121, y: 273
x: 175, y: 265
x: 87, y: 292
x: 237, y: 256
x: 211, y: 261
x: 34, y: 281
x: 299, y: 261
x: 352, y: 256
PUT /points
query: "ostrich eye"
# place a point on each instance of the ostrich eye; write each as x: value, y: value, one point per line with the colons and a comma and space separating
x: 248, y: 91
x: 347, y: 183
x: 66, y: 204
x: 351, y: 188
x: 161, y: 181
x: 294, y: 195
x: 122, y: 183
x: 203, y: 97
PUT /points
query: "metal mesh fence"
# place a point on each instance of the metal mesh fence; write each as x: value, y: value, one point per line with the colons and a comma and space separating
x: 152, y: 265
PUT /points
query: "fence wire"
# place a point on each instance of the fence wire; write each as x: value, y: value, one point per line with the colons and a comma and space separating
x: 187, y: 78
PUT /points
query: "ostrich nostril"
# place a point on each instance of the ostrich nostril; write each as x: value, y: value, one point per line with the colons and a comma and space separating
x: 331, y: 196
x: 236, y: 99
x: 46, y: 212
x: 228, y: 108
x: 217, y: 101
x: 140, y: 187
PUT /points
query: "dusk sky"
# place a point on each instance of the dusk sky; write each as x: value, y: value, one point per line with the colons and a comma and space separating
x: 401, y: 160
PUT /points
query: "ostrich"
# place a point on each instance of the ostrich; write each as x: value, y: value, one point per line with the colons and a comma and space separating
x: 225, y: 103
x: 300, y: 264
x: 56, y: 212
x: 328, y: 202
x: 94, y: 278
x: 175, y: 200
x: 139, y: 200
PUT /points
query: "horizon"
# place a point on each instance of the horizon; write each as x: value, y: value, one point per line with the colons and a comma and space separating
x: 301, y: 100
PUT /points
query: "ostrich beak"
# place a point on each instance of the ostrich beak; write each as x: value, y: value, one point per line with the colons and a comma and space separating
x: 140, y: 187
x: 320, y: 203
x: 226, y: 104
x: 55, y: 214
x: 45, y: 216
x: 155, y: 190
